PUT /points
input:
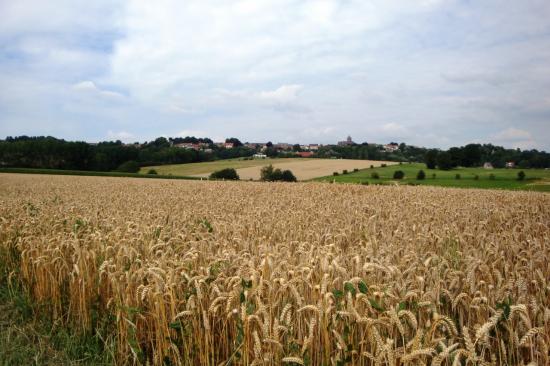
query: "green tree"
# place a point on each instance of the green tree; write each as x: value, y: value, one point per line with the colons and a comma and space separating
x: 270, y: 174
x: 444, y: 161
x: 521, y: 175
x: 227, y: 173
x: 457, y: 156
x: 288, y: 176
x: 398, y: 174
x: 430, y: 158
x: 130, y: 166
x: 266, y: 173
x: 421, y: 175
x: 471, y: 155
x: 277, y: 175
x: 235, y: 141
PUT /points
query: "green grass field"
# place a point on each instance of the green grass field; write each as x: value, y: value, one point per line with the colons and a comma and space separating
x: 211, y: 166
x: 90, y: 173
x: 535, y: 180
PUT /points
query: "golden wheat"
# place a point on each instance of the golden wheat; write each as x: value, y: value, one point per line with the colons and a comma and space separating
x: 219, y: 273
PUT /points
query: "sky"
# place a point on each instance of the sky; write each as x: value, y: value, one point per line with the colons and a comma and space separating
x: 434, y: 73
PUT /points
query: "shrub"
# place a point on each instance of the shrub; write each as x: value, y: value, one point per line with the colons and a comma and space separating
x: 492, y: 176
x: 365, y: 183
x: 476, y: 177
x: 521, y: 175
x: 266, y: 173
x: 421, y: 175
x: 129, y: 166
x: 287, y: 176
x: 374, y: 175
x: 398, y: 174
x: 152, y: 171
x: 227, y: 173
x: 277, y: 175
x: 345, y: 171
x: 372, y: 166
x: 434, y: 176
x: 335, y: 173
x: 457, y: 176
x: 355, y: 170
x: 383, y: 165
x: 269, y: 174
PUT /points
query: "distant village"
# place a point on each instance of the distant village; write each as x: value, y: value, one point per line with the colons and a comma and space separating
x: 301, y: 150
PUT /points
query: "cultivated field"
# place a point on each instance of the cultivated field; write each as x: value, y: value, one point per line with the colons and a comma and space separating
x: 303, y: 169
x: 535, y: 179
x: 224, y: 273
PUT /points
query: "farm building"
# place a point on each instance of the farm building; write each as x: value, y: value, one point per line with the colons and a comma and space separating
x: 391, y: 147
x: 487, y: 166
x: 283, y: 146
x: 188, y: 145
x: 226, y: 145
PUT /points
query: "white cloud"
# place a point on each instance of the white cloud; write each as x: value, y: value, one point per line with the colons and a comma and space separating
x: 196, y: 133
x: 515, y: 138
x: 395, y: 129
x: 512, y: 134
x: 86, y: 86
x: 282, y: 95
x: 490, y: 77
x: 120, y: 135
x: 284, y: 98
x: 55, y: 15
x: 90, y: 87
x: 172, y: 42
x: 178, y: 108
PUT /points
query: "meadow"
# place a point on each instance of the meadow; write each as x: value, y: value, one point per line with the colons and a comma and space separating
x: 303, y: 169
x: 182, y: 272
x: 535, y: 179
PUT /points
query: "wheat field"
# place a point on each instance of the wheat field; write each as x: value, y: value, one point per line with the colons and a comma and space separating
x: 306, y: 169
x: 247, y: 273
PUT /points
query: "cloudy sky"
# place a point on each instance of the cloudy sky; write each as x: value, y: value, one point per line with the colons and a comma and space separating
x: 428, y: 72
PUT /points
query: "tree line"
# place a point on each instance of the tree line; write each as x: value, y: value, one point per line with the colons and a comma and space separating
x: 470, y: 155
x: 52, y: 153
x: 474, y: 155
